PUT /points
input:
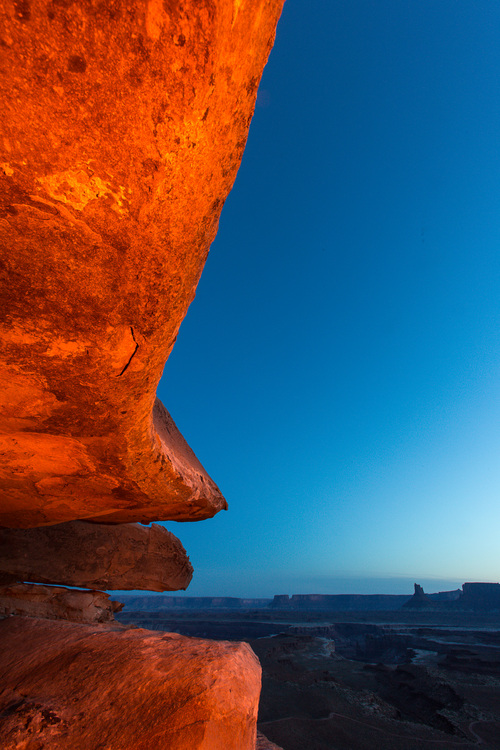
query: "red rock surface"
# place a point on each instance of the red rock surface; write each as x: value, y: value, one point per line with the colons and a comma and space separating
x: 122, y: 128
x: 78, y: 687
x: 123, y: 125
x: 57, y: 603
x: 264, y: 744
x: 89, y: 555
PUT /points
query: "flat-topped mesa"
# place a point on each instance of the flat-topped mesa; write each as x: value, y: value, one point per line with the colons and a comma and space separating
x: 479, y: 596
x: 123, y: 126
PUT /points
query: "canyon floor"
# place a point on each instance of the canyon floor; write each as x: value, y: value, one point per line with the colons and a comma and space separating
x: 364, y: 680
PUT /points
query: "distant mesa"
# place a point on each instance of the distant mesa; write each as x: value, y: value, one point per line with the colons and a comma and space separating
x: 297, y: 602
x: 340, y: 602
x: 480, y: 596
x: 473, y: 597
x: 281, y: 601
x: 146, y: 603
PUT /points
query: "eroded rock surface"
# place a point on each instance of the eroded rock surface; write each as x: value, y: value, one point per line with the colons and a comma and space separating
x: 123, y: 125
x: 123, y: 556
x: 56, y: 603
x: 82, y: 688
x: 264, y: 744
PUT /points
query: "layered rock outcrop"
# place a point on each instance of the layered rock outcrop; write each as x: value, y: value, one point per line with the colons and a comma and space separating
x: 76, y: 553
x: 123, y: 125
x: 57, y: 603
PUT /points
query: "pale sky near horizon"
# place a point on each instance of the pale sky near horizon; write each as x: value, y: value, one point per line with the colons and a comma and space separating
x: 338, y: 374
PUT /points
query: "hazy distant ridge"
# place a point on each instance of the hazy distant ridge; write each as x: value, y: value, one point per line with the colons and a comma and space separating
x: 151, y: 603
x: 333, y: 602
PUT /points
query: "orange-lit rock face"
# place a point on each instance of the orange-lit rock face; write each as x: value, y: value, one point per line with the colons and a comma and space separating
x: 81, y: 687
x: 123, y: 124
x: 55, y: 603
x: 92, y: 555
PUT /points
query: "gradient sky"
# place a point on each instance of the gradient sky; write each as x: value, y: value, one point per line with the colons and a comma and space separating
x: 338, y: 374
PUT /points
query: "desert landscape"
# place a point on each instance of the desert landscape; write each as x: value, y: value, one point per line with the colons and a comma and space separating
x: 336, y: 387
x: 411, y: 678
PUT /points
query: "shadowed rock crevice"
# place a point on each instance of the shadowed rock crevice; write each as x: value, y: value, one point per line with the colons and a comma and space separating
x: 132, y: 355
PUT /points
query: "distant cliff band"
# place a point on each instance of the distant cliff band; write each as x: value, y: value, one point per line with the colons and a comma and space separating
x: 471, y: 597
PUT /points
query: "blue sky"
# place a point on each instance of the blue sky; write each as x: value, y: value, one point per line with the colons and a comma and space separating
x: 338, y: 373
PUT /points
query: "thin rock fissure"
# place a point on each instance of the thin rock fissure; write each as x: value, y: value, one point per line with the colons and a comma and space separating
x: 132, y: 355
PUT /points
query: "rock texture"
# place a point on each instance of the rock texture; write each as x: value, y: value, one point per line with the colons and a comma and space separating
x: 264, y: 744
x: 125, y: 556
x: 56, y: 603
x: 82, y: 688
x: 123, y: 126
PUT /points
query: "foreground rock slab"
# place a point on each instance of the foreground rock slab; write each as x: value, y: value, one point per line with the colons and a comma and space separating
x: 96, y: 556
x: 74, y: 687
x: 122, y: 129
x: 57, y: 603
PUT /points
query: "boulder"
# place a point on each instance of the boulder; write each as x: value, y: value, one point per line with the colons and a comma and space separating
x: 79, y: 687
x: 76, y: 553
x: 57, y: 603
x: 123, y: 126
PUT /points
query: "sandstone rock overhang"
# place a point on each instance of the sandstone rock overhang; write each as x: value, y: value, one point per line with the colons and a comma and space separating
x: 123, y: 125
x: 96, y: 556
